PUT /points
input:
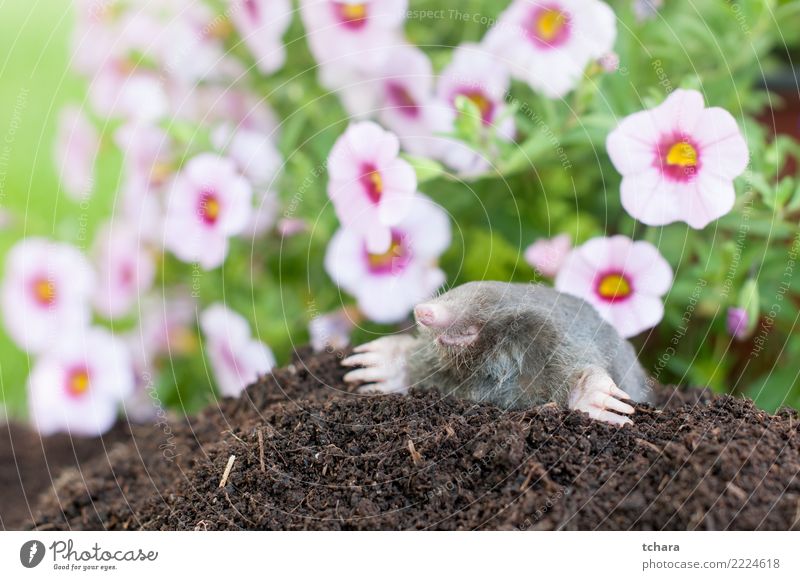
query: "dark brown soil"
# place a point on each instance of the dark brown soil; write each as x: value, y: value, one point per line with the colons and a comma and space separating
x: 29, y: 464
x: 309, y: 454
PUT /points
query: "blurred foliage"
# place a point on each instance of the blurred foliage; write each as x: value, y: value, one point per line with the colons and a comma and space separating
x: 557, y: 178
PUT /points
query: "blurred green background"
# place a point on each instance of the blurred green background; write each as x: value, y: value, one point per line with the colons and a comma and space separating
x: 35, y: 82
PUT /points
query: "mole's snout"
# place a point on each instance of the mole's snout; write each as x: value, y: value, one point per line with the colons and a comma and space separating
x: 432, y: 315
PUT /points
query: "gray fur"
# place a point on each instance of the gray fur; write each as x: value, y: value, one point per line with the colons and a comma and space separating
x: 532, y: 345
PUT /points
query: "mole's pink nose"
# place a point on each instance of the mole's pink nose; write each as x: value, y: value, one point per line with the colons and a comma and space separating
x: 431, y: 315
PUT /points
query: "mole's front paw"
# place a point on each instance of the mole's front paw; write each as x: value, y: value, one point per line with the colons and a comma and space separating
x: 597, y: 394
x: 383, y: 363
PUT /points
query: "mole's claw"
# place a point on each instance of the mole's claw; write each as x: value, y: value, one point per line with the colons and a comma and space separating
x: 618, y: 393
x: 603, y: 401
x: 365, y: 375
x: 361, y: 360
x: 596, y: 394
x: 613, y: 418
x: 383, y: 363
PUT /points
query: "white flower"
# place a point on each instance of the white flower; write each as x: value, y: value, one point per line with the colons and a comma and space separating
x: 77, y: 145
x: 387, y: 285
x: 78, y: 384
x: 125, y: 269
x: 236, y: 358
x: 262, y: 24
x: 548, y: 43
x: 209, y: 202
x: 678, y: 161
x: 46, y: 293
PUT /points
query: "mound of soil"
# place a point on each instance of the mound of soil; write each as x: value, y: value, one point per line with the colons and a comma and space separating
x: 298, y: 450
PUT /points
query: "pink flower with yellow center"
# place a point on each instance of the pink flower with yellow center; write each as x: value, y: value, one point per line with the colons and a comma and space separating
x: 388, y: 284
x: 125, y: 269
x: 357, y: 34
x: 244, y: 129
x: 399, y: 94
x: 678, y: 161
x: 148, y: 166
x: 209, y: 202
x: 262, y: 24
x: 476, y: 74
x: 547, y: 256
x: 370, y: 185
x: 624, y: 280
x: 46, y: 293
x: 126, y: 82
x: 549, y: 43
x: 77, y: 146
x: 236, y: 358
x: 77, y: 385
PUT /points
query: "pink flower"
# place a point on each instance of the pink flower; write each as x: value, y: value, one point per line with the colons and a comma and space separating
x: 209, y: 202
x: 408, y: 105
x: 77, y: 146
x: 125, y: 270
x: 624, y: 280
x: 548, y: 43
x: 738, y: 323
x: 149, y: 164
x: 166, y: 326
x: 46, y: 293
x: 78, y: 384
x: 332, y: 330
x: 192, y: 38
x: 124, y: 85
x: 262, y: 24
x: 370, y: 186
x: 352, y: 34
x: 678, y: 161
x: 387, y: 285
x: 477, y: 75
x: 289, y: 227
x: 236, y: 358
x: 547, y: 256
x: 609, y: 62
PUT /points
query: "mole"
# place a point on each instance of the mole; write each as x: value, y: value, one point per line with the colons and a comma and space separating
x: 512, y: 345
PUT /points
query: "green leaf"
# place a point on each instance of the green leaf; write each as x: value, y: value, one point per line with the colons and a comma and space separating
x: 748, y: 300
x: 469, y: 121
x: 426, y: 169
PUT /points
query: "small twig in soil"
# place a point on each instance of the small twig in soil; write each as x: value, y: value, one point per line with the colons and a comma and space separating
x: 223, y: 482
x: 261, y: 450
x: 652, y: 446
x: 415, y: 456
x: 232, y: 434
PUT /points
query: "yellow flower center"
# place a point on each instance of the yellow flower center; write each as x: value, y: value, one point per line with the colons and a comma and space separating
x: 354, y: 12
x: 78, y: 383
x: 209, y: 208
x: 385, y: 260
x: 220, y: 28
x: 550, y: 24
x: 484, y: 105
x: 159, y: 172
x: 372, y: 181
x: 44, y: 291
x: 614, y: 286
x: 376, y: 180
x: 682, y: 154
